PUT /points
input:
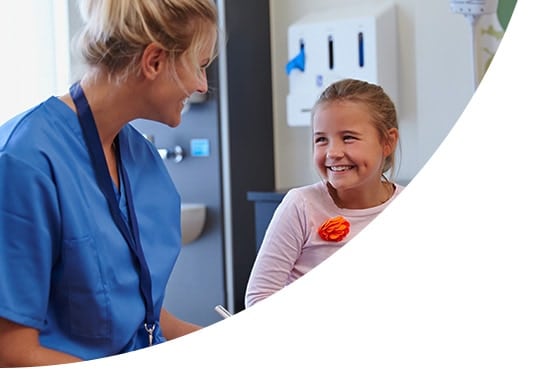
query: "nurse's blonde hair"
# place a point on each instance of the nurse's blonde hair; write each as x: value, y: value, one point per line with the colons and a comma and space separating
x: 116, y: 32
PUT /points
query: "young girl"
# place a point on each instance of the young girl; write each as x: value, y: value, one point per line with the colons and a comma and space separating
x: 86, y: 250
x: 355, y: 135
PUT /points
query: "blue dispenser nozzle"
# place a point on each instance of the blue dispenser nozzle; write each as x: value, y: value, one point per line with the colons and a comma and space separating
x: 298, y: 62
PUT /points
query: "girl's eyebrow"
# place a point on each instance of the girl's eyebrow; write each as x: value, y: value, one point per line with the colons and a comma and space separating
x: 345, y: 132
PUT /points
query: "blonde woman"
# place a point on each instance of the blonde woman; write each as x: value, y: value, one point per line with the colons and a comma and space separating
x: 85, y: 251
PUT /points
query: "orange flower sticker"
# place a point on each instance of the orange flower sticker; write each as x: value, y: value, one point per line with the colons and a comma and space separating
x: 334, y: 229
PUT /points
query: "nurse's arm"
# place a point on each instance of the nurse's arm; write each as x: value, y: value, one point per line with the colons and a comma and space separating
x: 20, y: 346
x: 173, y: 327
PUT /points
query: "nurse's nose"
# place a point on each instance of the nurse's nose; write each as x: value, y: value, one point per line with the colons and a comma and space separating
x: 202, y: 86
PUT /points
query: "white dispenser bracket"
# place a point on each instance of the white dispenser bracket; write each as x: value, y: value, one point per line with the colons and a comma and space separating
x: 473, y: 9
x: 355, y: 42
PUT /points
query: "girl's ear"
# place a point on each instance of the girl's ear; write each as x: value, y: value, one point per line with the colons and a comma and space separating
x: 391, y: 141
x: 153, y: 60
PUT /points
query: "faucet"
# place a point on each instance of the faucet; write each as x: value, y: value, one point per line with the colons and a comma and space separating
x: 175, y: 153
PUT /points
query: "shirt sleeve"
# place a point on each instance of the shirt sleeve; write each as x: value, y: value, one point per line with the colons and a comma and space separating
x: 279, y: 251
x: 28, y: 215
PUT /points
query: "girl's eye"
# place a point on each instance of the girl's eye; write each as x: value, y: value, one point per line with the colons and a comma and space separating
x: 349, y: 138
x: 320, y: 140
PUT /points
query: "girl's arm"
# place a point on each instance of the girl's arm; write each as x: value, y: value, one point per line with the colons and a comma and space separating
x: 280, y: 249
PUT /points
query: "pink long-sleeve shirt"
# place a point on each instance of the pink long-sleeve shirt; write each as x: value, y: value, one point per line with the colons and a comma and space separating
x: 292, y: 247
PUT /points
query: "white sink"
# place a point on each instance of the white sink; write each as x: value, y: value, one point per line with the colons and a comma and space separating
x: 193, y: 217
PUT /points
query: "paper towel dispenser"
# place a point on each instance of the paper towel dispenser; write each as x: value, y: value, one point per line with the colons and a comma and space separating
x: 346, y: 42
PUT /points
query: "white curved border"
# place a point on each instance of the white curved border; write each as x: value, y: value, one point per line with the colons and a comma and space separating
x: 454, y: 274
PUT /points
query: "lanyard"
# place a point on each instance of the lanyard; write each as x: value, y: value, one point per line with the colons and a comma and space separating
x: 103, y: 178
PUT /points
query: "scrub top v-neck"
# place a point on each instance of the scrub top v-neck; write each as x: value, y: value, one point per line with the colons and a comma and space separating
x: 66, y: 268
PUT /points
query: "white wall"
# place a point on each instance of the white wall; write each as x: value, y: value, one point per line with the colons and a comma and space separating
x: 35, y: 59
x: 436, y: 83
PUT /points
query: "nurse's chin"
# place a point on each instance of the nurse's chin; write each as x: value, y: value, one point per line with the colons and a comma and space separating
x: 173, y: 124
x: 173, y: 121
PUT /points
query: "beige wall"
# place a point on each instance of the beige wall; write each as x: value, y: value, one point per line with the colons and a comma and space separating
x: 436, y: 83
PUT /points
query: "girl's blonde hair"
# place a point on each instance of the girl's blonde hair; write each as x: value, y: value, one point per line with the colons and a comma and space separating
x: 379, y: 105
x: 116, y: 32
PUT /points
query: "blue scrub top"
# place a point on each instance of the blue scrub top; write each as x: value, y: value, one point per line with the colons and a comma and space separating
x: 65, y: 268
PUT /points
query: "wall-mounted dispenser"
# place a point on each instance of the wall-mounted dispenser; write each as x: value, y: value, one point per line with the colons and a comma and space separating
x: 353, y: 42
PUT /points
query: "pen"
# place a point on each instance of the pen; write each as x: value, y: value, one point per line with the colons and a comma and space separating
x: 222, y: 311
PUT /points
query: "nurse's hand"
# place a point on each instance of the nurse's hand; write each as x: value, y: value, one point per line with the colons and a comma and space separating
x: 173, y: 327
x: 20, y: 346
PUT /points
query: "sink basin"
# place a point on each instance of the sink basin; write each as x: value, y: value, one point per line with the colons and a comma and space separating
x: 193, y: 217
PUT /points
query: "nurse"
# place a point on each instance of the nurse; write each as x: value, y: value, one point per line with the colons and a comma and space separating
x: 89, y: 216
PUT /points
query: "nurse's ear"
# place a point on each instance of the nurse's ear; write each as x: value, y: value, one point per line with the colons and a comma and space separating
x: 153, y: 60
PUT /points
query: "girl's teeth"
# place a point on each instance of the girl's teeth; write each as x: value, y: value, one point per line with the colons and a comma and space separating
x: 340, y: 168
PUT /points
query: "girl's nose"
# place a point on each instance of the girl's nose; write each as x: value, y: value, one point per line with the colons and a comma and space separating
x: 335, y: 151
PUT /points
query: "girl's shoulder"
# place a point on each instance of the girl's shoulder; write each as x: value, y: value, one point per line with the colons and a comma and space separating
x: 316, y: 191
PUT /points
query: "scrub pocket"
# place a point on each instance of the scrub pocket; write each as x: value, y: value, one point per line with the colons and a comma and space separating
x: 88, y: 307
